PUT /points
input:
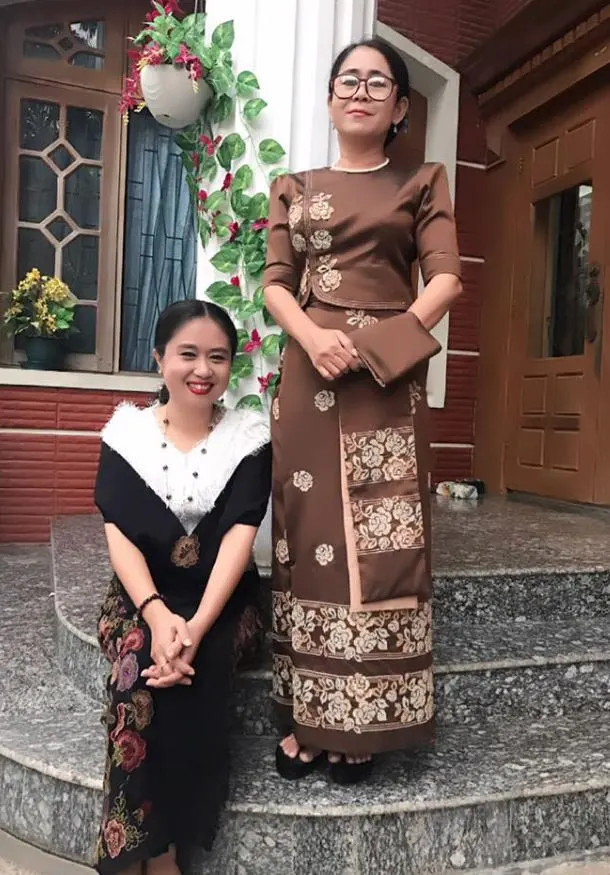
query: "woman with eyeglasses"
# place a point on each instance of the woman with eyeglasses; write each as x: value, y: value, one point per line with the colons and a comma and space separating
x: 352, y: 660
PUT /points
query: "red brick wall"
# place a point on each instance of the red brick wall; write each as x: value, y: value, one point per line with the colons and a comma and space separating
x: 450, y: 29
x: 52, y: 471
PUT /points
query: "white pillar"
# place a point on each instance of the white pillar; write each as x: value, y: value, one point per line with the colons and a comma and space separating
x: 290, y: 46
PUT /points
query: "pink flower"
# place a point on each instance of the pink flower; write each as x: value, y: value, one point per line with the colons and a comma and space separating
x: 184, y: 56
x: 265, y: 383
x: 254, y: 343
x: 234, y: 229
x: 132, y: 748
x: 152, y: 54
x: 195, y: 69
x: 202, y: 197
x: 235, y: 281
x: 172, y: 8
x: 115, y: 837
x: 260, y: 224
x: 226, y: 183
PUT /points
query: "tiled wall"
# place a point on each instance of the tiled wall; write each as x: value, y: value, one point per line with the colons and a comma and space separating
x: 49, y: 448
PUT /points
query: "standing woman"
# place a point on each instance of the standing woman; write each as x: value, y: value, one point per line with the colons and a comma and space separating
x: 352, y: 620
x: 182, y: 487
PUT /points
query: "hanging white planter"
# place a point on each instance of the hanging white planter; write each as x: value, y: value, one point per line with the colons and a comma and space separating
x: 170, y: 96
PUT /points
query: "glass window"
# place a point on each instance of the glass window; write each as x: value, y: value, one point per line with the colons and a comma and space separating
x: 562, y: 226
x: 160, y: 252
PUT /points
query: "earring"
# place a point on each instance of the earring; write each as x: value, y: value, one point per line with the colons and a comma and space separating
x: 405, y: 124
x: 395, y: 127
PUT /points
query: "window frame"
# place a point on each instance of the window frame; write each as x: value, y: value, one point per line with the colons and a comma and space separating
x: 76, y: 86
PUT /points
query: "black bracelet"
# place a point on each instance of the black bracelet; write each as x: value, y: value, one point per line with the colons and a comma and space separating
x: 147, y: 601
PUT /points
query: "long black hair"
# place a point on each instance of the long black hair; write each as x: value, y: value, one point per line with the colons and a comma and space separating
x: 396, y: 63
x: 174, y: 317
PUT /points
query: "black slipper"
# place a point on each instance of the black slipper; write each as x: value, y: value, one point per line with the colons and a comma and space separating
x: 293, y: 768
x: 350, y: 773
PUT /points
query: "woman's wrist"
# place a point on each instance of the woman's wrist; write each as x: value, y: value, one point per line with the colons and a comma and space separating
x: 154, y: 611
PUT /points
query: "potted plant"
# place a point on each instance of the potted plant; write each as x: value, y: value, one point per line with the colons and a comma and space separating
x: 41, y: 309
x: 170, y: 65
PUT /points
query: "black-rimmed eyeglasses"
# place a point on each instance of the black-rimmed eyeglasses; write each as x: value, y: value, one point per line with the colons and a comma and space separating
x: 377, y: 86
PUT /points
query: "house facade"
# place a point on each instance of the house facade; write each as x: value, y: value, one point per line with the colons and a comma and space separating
x: 509, y: 95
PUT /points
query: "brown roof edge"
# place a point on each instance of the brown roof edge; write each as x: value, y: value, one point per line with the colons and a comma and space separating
x: 535, y: 26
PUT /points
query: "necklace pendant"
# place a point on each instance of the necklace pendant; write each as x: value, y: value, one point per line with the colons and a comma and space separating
x: 185, y: 553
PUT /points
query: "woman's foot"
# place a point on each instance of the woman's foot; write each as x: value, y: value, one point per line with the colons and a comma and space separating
x: 293, y: 761
x: 348, y: 768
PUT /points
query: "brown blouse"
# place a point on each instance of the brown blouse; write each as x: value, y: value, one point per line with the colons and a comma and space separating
x: 350, y: 240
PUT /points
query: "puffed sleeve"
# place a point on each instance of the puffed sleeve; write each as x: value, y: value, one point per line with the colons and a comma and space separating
x: 249, y: 491
x: 435, y: 232
x: 282, y: 268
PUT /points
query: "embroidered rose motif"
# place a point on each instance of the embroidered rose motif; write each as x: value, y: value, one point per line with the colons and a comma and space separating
x: 372, y: 455
x: 130, y: 749
x: 396, y: 469
x: 143, y: 708
x: 295, y: 211
x: 299, y: 244
x: 330, y: 277
x: 380, y: 521
x: 186, y: 551
x: 324, y: 554
x: 338, y: 709
x: 340, y: 637
x: 360, y: 319
x: 275, y: 409
x: 321, y: 240
x: 302, y: 480
x: 127, y: 673
x: 281, y: 552
x: 324, y: 400
x: 395, y: 443
x: 134, y: 640
x: 115, y: 837
x: 320, y: 209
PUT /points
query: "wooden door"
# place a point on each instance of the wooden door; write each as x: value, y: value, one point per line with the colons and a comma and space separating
x: 560, y: 267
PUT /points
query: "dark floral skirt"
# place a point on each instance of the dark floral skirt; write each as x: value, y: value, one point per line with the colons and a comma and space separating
x: 167, y: 765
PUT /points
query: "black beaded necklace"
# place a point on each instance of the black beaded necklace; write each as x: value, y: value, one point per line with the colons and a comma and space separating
x: 217, y: 414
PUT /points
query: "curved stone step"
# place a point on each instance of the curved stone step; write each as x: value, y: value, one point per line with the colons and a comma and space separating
x: 486, y: 795
x: 483, y: 670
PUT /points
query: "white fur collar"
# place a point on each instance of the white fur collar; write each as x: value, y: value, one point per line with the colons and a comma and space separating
x: 135, y: 434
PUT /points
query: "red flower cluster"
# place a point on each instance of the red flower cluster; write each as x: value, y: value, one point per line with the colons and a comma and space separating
x: 264, y: 383
x: 254, y: 344
x: 210, y: 145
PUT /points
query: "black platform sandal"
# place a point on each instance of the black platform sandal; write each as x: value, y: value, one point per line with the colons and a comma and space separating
x: 346, y: 774
x: 294, y: 768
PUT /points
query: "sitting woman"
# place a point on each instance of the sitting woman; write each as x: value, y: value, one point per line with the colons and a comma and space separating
x: 183, y: 487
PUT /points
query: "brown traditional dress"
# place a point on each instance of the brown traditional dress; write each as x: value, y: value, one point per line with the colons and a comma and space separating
x: 352, y: 635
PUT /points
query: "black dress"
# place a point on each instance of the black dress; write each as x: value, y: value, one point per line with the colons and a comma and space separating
x: 167, y: 763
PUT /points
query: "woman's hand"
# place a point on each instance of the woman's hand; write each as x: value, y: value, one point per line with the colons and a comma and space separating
x: 169, y: 635
x: 181, y: 668
x: 332, y: 353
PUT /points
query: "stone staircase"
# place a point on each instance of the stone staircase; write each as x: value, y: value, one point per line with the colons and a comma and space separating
x: 520, y: 770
